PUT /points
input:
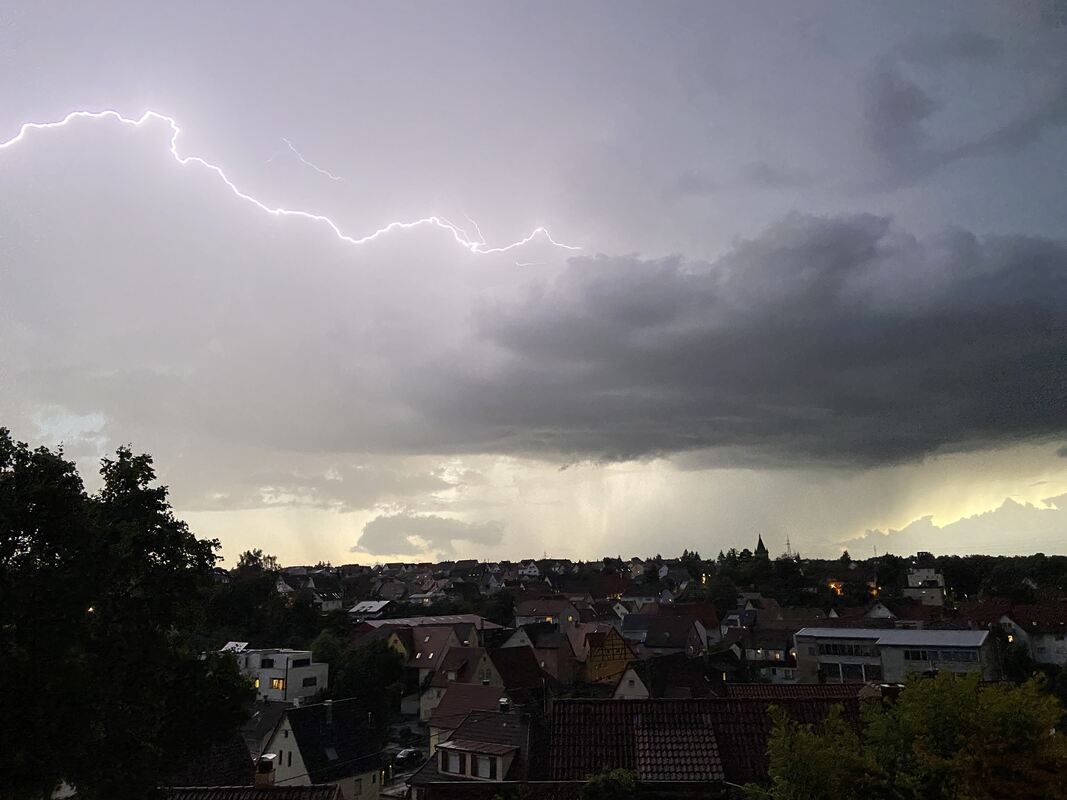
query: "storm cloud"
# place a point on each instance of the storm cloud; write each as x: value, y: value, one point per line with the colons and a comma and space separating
x: 411, y: 534
x: 830, y: 339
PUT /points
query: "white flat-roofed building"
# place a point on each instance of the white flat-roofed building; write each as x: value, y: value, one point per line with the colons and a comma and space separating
x: 855, y: 655
x: 279, y: 673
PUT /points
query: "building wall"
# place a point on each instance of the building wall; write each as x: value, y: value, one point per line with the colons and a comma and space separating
x: 836, y: 667
x: 631, y: 687
x: 609, y: 660
x: 364, y: 786
x: 897, y: 665
x: 429, y: 700
x: 289, y: 766
x: 282, y: 681
x: 927, y: 595
x: 1049, y: 648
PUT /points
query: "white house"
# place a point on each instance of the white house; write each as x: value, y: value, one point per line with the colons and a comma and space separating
x: 327, y: 743
x: 280, y: 674
x: 863, y: 655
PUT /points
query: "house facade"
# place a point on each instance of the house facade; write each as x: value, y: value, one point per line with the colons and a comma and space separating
x: 327, y: 743
x: 280, y: 674
x: 864, y: 655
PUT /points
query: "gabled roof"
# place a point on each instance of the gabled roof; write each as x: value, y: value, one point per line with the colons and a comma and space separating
x: 791, y: 691
x: 668, y: 631
x: 460, y: 660
x: 706, y: 740
x: 1040, y: 618
x: 543, y: 607
x: 431, y: 644
x: 445, y: 619
x: 701, y: 611
x: 226, y: 763
x: 334, y: 742
x: 675, y: 675
x: 460, y: 699
x: 315, y: 792
x: 486, y: 731
x: 518, y: 668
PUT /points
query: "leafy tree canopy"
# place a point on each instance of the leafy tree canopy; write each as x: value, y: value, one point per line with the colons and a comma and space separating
x: 99, y: 597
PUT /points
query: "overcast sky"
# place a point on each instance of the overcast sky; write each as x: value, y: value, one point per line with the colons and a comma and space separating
x: 821, y: 290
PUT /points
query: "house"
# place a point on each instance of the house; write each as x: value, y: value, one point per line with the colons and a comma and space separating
x: 515, y: 670
x: 328, y: 742
x: 641, y: 594
x: 635, y: 627
x: 457, y: 666
x: 737, y: 620
x: 368, y: 609
x: 769, y: 654
x: 391, y: 589
x: 664, y: 676
x: 703, y: 612
x: 280, y: 673
x: 459, y: 700
x: 1042, y: 628
x: 847, y: 655
x: 695, y: 746
x: 488, y: 746
x: 558, y: 610
x: 552, y: 648
x: 926, y: 585
x: 423, y: 647
x: 607, y: 655
x: 671, y: 634
x: 529, y: 569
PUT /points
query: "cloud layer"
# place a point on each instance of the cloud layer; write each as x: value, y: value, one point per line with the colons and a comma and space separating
x: 413, y: 534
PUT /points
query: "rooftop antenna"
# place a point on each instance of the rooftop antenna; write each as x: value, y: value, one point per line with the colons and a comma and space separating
x: 788, y: 547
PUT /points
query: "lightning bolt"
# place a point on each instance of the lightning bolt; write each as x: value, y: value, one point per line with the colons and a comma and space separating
x: 307, y: 163
x: 457, y: 233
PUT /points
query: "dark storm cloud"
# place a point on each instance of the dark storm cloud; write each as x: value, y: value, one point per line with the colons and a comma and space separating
x: 898, y: 106
x: 969, y: 46
x: 829, y: 339
x: 412, y: 534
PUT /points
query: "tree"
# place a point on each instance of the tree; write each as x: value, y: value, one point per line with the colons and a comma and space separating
x: 99, y: 599
x: 946, y: 738
x: 824, y: 764
x: 501, y: 609
x: 255, y: 561
x: 611, y: 784
x: 372, y: 674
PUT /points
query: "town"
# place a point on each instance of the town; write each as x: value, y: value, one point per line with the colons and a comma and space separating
x: 543, y: 672
x: 743, y: 675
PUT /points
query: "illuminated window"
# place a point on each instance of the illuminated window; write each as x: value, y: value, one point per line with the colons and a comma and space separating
x: 256, y: 682
x: 277, y: 683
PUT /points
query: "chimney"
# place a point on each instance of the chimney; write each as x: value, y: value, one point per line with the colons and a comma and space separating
x: 265, y: 770
x: 329, y: 711
x: 505, y: 705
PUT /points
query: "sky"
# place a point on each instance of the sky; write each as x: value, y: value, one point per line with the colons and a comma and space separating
x: 793, y: 269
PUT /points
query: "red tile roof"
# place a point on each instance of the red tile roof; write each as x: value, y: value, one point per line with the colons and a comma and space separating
x: 314, y: 792
x: 704, y: 740
x: 460, y: 699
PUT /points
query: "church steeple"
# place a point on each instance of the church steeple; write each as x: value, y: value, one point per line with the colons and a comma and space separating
x: 761, y: 548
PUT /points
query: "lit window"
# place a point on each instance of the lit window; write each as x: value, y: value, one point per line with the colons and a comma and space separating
x: 277, y: 683
x: 256, y: 681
